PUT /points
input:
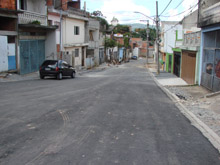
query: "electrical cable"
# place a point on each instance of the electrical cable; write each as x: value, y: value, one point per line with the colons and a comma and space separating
x: 182, y: 12
x: 179, y: 21
x: 165, y: 8
x: 176, y: 6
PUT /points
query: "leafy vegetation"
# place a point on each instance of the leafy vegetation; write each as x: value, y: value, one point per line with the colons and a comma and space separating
x: 122, y: 29
x: 141, y: 33
x: 36, y: 22
x: 100, y: 17
x: 110, y: 43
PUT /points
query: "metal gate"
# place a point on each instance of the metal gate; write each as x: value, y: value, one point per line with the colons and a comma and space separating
x: 211, y: 61
x: 32, y: 55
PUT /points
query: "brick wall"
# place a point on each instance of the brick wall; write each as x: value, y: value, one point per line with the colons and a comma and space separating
x: 49, y: 2
x: 8, y: 4
x: 64, y: 4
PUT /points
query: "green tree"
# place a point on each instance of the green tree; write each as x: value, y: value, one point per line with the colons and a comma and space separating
x: 110, y: 43
x: 126, y: 40
x: 141, y: 33
x: 122, y: 29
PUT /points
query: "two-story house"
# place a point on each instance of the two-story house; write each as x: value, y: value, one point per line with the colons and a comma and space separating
x: 209, y: 22
x: 36, y: 37
x: 190, y: 49
x: 71, y: 44
x: 8, y: 35
x: 92, y: 37
x: 171, y: 39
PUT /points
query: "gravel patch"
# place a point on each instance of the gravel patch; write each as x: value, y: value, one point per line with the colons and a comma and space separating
x: 201, y: 107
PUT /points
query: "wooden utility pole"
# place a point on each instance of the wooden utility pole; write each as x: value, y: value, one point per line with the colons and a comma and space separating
x: 148, y: 31
x: 157, y: 39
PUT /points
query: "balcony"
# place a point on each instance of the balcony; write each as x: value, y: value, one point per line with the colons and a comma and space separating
x: 93, y: 24
x: 93, y: 44
x: 192, y: 39
x: 28, y: 17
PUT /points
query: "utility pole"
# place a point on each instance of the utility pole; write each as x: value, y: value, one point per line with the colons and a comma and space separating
x: 157, y: 39
x: 148, y: 31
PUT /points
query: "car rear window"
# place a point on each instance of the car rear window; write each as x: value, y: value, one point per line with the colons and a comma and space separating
x: 47, y: 63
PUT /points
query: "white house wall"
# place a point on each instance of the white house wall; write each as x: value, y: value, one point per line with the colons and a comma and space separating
x: 4, y: 53
x: 77, y: 60
x: 68, y: 31
x: 170, y: 36
x: 50, y: 45
x: 169, y: 39
x: 55, y: 19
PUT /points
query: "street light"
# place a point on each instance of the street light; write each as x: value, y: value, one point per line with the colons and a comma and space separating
x: 156, y: 20
x: 137, y: 12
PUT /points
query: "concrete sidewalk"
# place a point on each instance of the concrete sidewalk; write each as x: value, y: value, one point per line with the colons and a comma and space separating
x: 164, y: 78
x: 198, y: 104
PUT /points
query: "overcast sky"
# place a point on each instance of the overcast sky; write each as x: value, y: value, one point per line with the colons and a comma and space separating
x: 123, y: 10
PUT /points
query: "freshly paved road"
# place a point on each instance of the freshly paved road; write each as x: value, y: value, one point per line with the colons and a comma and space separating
x: 115, y: 116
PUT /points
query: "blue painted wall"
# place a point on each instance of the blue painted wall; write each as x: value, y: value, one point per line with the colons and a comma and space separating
x: 11, y: 63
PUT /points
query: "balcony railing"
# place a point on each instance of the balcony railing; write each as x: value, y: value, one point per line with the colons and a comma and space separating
x: 28, y: 17
x: 192, y: 39
x: 78, y: 12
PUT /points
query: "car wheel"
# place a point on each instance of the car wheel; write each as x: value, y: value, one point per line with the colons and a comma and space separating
x: 41, y: 77
x: 60, y: 76
x: 73, y: 74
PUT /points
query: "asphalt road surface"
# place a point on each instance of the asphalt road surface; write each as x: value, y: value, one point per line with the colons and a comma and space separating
x: 114, y: 116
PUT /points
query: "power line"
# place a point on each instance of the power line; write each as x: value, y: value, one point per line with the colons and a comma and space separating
x: 165, y: 8
x: 177, y: 22
x: 172, y: 27
x: 192, y: 7
x: 177, y: 6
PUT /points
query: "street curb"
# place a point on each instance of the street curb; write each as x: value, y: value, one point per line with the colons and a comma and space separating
x: 195, y: 121
x: 212, y: 94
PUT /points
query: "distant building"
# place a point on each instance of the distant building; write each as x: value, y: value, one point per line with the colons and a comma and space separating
x: 114, y: 21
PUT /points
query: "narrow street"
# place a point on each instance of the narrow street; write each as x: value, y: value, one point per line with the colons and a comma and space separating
x: 114, y: 116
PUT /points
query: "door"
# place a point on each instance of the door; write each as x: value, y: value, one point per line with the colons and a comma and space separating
x: 177, y: 63
x: 170, y: 64
x: 83, y: 57
x: 188, y: 67
x: 32, y: 55
x: 66, y: 69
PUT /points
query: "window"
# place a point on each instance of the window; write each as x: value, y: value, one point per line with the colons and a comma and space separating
x: 91, y: 36
x: 76, y: 52
x: 64, y: 64
x: 22, y: 4
x: 76, y: 30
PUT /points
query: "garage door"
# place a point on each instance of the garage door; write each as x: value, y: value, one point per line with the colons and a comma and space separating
x: 188, y: 67
x: 32, y: 55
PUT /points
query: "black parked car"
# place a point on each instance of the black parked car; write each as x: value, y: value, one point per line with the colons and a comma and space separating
x: 56, y: 68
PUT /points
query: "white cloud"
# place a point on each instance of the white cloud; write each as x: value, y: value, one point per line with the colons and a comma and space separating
x: 123, y: 10
x: 188, y: 6
x: 189, y: 3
